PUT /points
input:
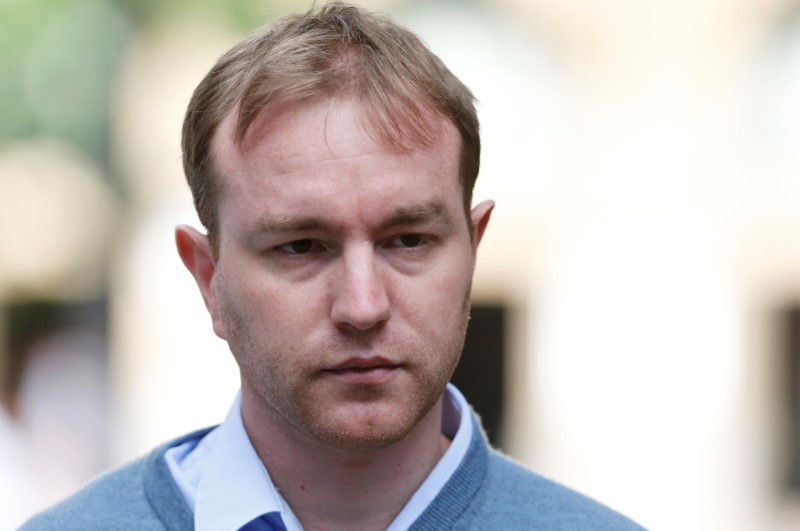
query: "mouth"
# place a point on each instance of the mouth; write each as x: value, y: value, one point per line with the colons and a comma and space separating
x: 364, y: 371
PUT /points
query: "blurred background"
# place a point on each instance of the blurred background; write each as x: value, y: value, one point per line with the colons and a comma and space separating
x: 636, y: 329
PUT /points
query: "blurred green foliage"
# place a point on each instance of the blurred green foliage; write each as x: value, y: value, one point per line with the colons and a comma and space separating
x: 59, y: 59
x: 242, y: 14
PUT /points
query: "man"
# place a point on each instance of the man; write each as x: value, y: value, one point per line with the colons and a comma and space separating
x: 332, y: 159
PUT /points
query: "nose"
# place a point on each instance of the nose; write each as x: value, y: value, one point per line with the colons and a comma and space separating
x: 360, y: 298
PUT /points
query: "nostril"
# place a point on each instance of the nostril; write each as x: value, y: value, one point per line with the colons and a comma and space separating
x: 362, y: 309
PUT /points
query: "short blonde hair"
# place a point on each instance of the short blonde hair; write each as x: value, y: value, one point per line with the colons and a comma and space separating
x: 332, y: 49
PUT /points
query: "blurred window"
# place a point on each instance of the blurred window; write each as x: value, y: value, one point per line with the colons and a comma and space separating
x: 480, y: 373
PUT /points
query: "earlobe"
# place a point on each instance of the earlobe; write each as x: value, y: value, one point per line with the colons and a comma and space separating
x: 195, y: 252
x: 480, y: 219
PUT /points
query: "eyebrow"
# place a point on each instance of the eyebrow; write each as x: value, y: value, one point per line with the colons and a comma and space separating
x: 432, y: 212
x: 270, y: 223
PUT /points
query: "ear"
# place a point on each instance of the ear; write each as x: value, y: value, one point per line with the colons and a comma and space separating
x: 480, y: 219
x: 196, y: 254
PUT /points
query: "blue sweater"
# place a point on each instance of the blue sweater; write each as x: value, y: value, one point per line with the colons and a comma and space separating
x: 487, y: 491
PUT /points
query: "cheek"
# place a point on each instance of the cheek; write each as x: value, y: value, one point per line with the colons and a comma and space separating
x: 439, y: 301
x: 275, y: 310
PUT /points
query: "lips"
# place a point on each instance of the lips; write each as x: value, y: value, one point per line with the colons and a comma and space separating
x: 364, y: 371
x: 363, y: 363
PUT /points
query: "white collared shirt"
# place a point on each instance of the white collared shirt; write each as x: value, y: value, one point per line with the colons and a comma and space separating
x: 226, y: 484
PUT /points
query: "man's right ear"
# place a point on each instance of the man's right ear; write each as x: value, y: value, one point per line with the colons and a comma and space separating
x: 196, y: 254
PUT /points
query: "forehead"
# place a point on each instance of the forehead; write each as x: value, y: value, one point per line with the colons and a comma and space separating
x: 312, y: 144
x: 384, y: 130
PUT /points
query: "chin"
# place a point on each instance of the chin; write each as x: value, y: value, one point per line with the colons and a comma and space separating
x: 361, y: 440
x: 361, y: 430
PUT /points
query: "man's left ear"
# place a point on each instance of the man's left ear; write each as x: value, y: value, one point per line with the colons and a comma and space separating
x: 480, y: 218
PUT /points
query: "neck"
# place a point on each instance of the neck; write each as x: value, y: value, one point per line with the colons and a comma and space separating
x: 343, y: 488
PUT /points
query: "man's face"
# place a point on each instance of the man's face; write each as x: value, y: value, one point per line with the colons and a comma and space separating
x: 343, y: 275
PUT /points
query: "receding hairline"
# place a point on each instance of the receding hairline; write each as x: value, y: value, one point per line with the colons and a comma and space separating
x: 412, y: 128
x: 331, y: 48
x: 228, y: 137
x: 225, y: 144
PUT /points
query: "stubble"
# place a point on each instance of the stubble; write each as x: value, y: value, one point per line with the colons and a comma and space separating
x: 286, y: 380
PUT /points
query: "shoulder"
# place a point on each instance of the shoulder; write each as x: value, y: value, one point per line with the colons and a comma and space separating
x: 106, y: 503
x: 140, y: 495
x: 489, y: 491
x: 520, y: 498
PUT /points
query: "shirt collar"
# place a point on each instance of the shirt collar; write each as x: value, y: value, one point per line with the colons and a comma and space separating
x: 221, y: 503
x: 455, y: 416
x: 225, y: 504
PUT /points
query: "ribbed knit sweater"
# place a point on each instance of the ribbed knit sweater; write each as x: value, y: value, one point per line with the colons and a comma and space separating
x: 487, y: 491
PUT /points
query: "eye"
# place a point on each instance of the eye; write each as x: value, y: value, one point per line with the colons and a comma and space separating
x: 407, y: 241
x: 299, y: 246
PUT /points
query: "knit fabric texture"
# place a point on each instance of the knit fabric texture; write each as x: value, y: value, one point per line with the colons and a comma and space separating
x: 486, y: 492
